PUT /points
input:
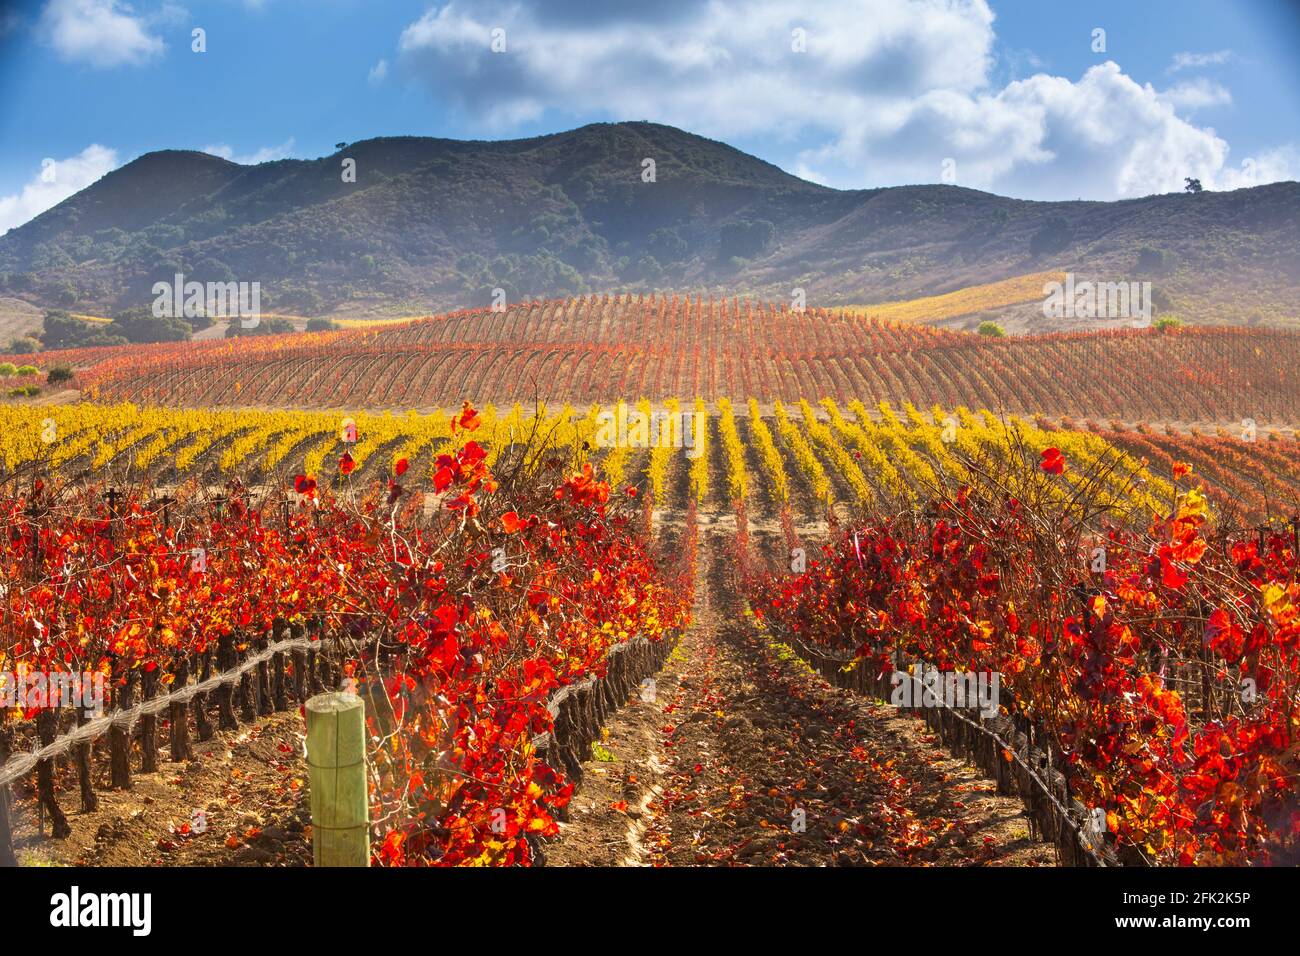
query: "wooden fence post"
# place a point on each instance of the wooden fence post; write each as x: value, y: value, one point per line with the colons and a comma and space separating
x: 336, y: 756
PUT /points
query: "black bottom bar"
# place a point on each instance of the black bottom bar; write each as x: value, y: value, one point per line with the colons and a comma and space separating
x: 967, y: 904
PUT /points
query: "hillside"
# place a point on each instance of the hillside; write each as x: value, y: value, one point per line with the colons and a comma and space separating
x: 18, y: 319
x: 435, y: 224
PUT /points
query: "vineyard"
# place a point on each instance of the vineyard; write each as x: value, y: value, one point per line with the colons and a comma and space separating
x: 605, y: 348
x: 494, y: 582
x: 820, y: 453
x: 1147, y: 674
x: 457, y: 629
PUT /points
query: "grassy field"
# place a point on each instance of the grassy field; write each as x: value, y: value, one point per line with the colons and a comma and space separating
x: 18, y: 318
x: 950, y: 305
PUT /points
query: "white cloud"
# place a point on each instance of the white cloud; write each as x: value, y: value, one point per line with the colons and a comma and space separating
x: 1102, y: 137
x: 1270, y: 166
x: 1196, y: 94
x: 264, y: 155
x: 728, y: 62
x: 1184, y: 61
x: 54, y: 182
x: 103, y: 33
x: 886, y: 90
x: 378, y: 72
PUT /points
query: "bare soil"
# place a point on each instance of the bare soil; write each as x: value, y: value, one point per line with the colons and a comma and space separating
x: 746, y: 757
x: 240, y: 802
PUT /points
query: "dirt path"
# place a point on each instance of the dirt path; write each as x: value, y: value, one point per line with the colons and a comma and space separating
x: 746, y: 757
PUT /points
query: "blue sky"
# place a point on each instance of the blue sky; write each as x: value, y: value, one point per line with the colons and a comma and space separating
x: 1004, y: 95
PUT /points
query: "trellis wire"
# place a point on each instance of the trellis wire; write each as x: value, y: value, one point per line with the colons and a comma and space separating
x: 1008, y: 750
x: 19, y: 765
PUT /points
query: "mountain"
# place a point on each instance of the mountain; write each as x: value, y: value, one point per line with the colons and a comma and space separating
x: 436, y: 224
